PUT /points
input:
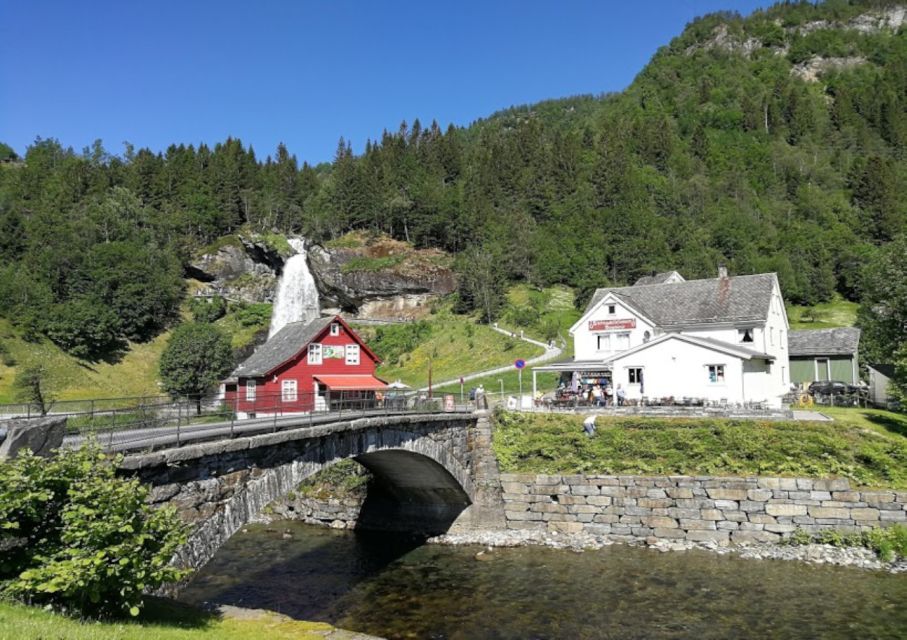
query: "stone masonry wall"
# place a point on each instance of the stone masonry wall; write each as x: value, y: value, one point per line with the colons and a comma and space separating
x: 696, y: 508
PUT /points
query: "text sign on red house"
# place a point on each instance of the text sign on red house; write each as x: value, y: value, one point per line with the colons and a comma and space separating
x: 608, y: 325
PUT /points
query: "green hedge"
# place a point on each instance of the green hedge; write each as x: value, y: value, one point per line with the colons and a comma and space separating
x: 555, y: 443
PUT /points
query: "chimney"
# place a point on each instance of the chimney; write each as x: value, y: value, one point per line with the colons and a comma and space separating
x: 722, y: 270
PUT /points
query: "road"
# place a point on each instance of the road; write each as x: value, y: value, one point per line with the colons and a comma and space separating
x: 166, y: 436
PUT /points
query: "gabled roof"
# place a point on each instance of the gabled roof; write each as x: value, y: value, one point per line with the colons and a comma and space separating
x: 843, y: 341
x: 734, y: 299
x: 660, y: 278
x: 709, y: 343
x: 886, y: 370
x: 287, y: 343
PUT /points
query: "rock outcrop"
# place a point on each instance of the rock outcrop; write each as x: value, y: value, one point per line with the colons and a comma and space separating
x: 380, y: 278
x: 239, y: 268
x: 41, y: 435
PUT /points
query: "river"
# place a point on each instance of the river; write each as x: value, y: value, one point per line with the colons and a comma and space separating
x: 395, y: 587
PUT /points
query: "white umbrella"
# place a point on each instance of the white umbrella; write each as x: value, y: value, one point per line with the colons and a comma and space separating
x: 396, y: 384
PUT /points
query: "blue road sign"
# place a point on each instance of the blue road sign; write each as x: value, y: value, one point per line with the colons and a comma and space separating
x: 519, y: 363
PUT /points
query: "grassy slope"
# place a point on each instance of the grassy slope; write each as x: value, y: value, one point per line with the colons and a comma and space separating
x: 136, y: 374
x: 836, y: 313
x: 160, y: 621
x: 457, y: 346
x: 868, y: 447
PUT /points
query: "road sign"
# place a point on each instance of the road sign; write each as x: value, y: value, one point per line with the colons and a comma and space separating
x: 519, y: 363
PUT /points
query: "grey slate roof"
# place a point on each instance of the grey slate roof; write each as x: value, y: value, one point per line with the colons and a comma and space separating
x: 285, y: 344
x: 657, y: 278
x: 824, y: 342
x: 709, y: 301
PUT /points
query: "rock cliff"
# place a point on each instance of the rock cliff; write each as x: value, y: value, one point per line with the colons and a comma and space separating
x: 380, y: 278
x: 239, y: 267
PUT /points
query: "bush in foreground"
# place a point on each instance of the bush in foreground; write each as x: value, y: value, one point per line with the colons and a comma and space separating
x: 74, y: 534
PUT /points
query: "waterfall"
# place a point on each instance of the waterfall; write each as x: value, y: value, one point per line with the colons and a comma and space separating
x: 297, y: 296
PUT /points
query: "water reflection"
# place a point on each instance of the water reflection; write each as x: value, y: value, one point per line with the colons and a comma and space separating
x: 396, y: 588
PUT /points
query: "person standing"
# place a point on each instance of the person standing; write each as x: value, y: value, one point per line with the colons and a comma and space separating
x: 621, y: 396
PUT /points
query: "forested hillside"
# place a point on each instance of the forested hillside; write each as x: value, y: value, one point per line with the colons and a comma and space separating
x: 774, y: 142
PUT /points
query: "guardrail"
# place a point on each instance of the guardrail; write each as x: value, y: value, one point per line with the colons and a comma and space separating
x: 167, y: 422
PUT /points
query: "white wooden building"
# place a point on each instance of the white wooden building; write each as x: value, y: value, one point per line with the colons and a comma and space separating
x: 719, y: 339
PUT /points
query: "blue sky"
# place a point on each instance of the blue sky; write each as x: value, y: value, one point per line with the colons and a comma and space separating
x: 306, y: 72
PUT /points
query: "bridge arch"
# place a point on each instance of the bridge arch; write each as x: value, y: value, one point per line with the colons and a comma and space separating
x: 422, y: 464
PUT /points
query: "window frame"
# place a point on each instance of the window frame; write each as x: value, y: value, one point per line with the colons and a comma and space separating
x: 314, y: 353
x: 600, y: 338
x: 252, y: 386
x: 634, y: 372
x: 612, y: 309
x: 335, y: 328
x: 287, y: 395
x: 352, y: 348
x: 622, y: 334
x: 742, y: 333
x: 720, y: 374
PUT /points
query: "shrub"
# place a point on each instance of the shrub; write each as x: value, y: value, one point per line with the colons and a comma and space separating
x: 74, y: 534
x: 208, y: 309
x: 889, y: 543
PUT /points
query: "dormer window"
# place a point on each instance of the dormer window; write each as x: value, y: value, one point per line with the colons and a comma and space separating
x: 612, y: 309
x: 745, y: 335
x: 335, y: 328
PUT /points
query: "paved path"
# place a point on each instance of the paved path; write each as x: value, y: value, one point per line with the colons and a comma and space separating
x: 552, y: 352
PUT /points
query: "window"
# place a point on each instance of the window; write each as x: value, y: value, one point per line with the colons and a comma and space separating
x: 315, y: 353
x: 623, y: 342
x: 288, y: 391
x: 745, y: 335
x: 352, y: 354
x: 716, y: 373
x: 603, y: 343
x: 612, y: 309
x: 250, y: 389
x: 781, y: 338
x: 335, y: 329
x: 634, y: 375
x: 646, y: 336
x: 771, y: 336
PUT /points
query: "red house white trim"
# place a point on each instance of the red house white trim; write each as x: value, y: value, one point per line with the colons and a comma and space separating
x: 305, y: 367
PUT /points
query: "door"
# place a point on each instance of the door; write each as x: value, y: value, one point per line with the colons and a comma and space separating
x: 822, y: 369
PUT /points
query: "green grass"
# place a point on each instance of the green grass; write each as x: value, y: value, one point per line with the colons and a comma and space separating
x: 341, y: 480
x: 543, y: 313
x: 456, y: 345
x: 555, y: 443
x: 826, y: 315
x: 161, y: 620
x: 243, y: 322
x: 365, y: 263
x: 492, y: 384
x: 135, y: 374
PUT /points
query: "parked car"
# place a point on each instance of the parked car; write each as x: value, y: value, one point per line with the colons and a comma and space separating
x: 830, y: 388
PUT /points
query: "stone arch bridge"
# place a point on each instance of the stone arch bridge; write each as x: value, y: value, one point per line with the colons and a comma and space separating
x: 432, y: 473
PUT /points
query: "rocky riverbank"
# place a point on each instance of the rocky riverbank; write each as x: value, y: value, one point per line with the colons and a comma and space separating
x: 813, y: 553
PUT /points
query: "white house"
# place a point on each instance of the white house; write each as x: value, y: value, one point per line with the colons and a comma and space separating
x: 717, y: 339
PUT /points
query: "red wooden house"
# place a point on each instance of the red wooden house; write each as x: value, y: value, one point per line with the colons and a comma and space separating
x: 305, y: 366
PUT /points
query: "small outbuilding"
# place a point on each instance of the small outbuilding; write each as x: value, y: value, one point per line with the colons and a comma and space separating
x: 880, y: 376
x: 824, y: 354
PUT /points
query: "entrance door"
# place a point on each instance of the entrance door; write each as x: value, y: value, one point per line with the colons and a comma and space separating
x: 822, y: 369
